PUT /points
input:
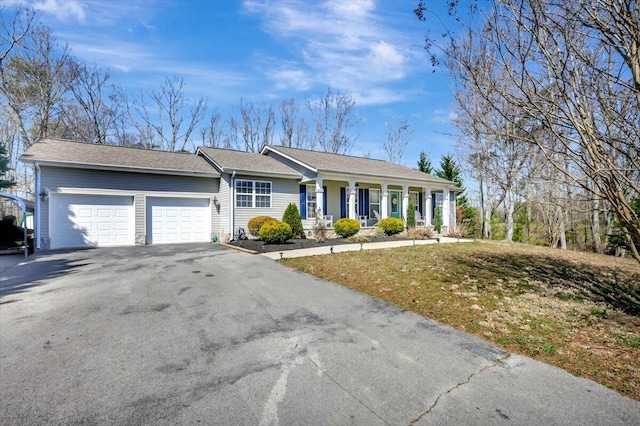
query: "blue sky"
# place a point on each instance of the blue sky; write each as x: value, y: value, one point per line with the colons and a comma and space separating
x: 268, y: 51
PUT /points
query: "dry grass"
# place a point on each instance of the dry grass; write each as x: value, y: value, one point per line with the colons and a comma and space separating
x: 578, y: 311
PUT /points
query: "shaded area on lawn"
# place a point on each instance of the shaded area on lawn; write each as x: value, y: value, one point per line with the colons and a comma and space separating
x: 568, y: 280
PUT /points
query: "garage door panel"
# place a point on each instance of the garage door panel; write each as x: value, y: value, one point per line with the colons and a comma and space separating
x: 178, y: 220
x: 78, y: 220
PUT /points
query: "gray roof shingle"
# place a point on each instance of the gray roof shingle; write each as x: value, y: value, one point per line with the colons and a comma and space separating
x: 76, y: 154
x: 248, y: 162
x: 327, y: 162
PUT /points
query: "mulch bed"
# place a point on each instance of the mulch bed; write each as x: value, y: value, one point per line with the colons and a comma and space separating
x: 262, y: 247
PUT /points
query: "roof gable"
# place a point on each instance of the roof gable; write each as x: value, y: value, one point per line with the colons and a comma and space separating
x: 348, y: 164
x: 229, y: 160
x: 68, y: 153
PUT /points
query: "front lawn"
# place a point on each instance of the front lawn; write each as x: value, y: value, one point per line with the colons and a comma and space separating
x: 578, y: 311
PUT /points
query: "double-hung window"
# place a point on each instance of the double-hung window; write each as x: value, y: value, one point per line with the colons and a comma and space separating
x: 311, y: 201
x: 250, y: 193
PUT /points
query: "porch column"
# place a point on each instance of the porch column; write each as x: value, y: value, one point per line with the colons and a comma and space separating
x: 319, y: 199
x: 384, y: 201
x: 405, y: 202
x: 352, y: 199
x: 428, y: 219
x: 445, y: 208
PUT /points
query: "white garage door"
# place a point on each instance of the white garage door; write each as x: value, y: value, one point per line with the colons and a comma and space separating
x: 91, y: 221
x: 178, y: 220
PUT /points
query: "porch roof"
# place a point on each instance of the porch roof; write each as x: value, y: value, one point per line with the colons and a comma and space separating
x: 319, y: 162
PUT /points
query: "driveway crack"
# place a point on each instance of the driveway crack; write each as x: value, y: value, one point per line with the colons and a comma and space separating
x: 278, y: 325
x: 471, y: 376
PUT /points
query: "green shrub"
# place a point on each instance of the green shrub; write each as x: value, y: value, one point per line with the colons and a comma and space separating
x: 275, y: 232
x: 346, y: 227
x: 256, y: 223
x: 411, y: 214
x: 391, y: 225
x: 292, y: 217
x: 437, y: 220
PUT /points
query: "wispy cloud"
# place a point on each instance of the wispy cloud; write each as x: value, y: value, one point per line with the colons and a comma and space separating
x: 342, y: 44
x: 63, y: 10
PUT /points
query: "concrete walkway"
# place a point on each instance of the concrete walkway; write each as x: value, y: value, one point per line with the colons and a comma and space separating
x: 315, y: 251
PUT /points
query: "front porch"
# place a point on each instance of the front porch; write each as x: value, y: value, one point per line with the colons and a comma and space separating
x: 370, y: 202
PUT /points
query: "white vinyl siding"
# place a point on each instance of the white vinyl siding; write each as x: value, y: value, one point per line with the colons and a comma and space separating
x: 283, y: 192
x: 137, y: 185
x: 253, y: 194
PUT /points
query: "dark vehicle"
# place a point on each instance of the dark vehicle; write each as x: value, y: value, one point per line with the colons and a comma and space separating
x: 12, y: 236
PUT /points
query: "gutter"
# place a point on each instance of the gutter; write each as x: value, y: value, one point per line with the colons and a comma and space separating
x: 231, y: 203
x: 38, y: 206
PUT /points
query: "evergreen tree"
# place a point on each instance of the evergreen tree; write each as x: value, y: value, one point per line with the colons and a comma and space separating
x: 424, y: 164
x: 3, y: 168
x: 411, y: 214
x: 292, y: 217
x: 449, y: 170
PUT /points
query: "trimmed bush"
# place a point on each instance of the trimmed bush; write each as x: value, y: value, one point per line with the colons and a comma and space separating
x: 346, y: 227
x: 437, y: 220
x: 292, y: 217
x: 391, y: 225
x: 256, y: 223
x: 275, y: 232
x: 411, y: 214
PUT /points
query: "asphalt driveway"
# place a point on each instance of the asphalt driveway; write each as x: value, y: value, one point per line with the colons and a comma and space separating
x: 207, y: 335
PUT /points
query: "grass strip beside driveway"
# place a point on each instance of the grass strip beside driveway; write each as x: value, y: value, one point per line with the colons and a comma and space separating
x: 578, y: 311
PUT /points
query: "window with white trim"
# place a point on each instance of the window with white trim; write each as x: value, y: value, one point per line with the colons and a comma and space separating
x: 374, y: 202
x: 250, y: 193
x: 415, y: 196
x: 311, y: 201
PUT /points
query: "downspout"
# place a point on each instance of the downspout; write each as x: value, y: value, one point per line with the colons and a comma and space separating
x: 38, y: 207
x: 231, y: 203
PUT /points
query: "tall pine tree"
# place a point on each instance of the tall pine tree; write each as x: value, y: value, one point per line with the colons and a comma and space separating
x: 424, y: 164
x: 449, y: 170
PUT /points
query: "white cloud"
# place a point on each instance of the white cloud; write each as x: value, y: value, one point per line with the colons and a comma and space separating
x: 342, y: 44
x: 443, y: 115
x: 63, y: 10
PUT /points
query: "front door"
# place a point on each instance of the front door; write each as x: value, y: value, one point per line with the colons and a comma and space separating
x: 395, y: 201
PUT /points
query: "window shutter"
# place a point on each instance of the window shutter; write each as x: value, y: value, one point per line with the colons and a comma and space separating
x: 343, y: 203
x: 324, y: 200
x: 364, y: 210
x: 360, y: 202
x: 303, y: 201
x: 433, y: 207
x: 420, y: 203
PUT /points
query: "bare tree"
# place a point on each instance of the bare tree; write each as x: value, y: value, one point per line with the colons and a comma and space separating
x: 574, y: 68
x: 93, y: 116
x: 176, y: 119
x: 397, y: 137
x: 335, y: 122
x: 35, y: 75
x: 212, y: 133
x: 254, y: 127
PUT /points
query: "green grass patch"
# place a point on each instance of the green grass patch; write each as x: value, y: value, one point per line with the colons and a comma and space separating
x: 579, y: 311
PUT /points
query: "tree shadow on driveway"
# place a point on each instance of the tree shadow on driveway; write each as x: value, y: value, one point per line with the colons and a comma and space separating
x: 25, y: 276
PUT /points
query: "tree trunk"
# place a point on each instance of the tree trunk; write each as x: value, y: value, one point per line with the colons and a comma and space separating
x: 510, y: 207
x: 595, y: 225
